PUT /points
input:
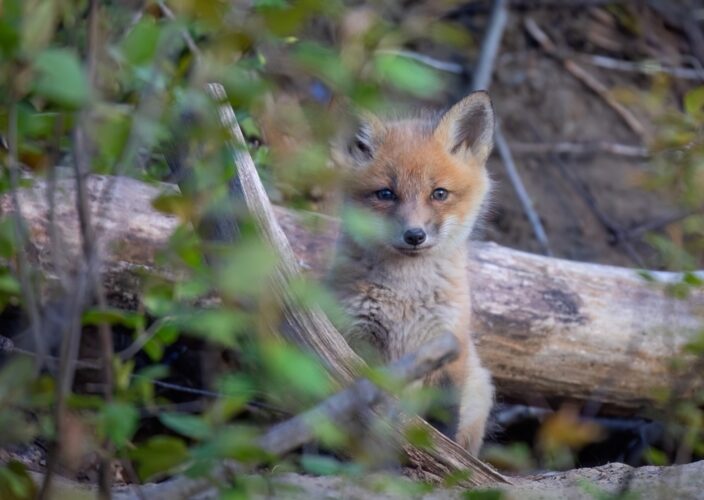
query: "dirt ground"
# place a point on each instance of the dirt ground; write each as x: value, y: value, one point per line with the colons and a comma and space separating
x: 582, y: 201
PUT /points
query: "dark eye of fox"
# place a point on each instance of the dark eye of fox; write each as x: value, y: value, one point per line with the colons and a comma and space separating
x: 439, y: 194
x: 385, y: 194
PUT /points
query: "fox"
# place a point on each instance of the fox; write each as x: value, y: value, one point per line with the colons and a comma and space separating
x: 425, y: 178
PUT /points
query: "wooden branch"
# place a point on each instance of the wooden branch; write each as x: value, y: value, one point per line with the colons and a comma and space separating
x: 545, y: 327
x: 643, y: 67
x: 582, y: 148
x: 344, y: 406
x: 585, y: 77
x: 481, y: 81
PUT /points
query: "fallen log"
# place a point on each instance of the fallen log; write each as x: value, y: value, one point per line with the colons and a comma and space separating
x: 546, y: 327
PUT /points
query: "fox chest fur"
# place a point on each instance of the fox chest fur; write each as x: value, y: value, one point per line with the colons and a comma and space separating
x: 396, y: 307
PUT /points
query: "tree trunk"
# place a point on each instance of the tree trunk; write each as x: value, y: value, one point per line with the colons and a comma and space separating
x: 545, y: 327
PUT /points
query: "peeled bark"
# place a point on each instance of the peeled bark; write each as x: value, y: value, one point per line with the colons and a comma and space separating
x: 545, y: 327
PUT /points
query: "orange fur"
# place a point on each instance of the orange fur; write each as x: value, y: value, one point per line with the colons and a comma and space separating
x: 426, y: 180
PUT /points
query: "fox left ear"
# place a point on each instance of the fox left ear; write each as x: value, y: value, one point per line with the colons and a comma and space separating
x: 467, y: 129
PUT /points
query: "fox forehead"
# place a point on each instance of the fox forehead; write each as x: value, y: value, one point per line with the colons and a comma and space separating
x: 409, y: 160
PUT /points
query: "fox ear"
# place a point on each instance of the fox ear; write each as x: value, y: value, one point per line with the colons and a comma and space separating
x: 360, y: 146
x: 467, y: 129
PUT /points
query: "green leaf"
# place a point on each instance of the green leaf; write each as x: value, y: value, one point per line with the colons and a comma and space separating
x: 407, y: 75
x: 9, y: 284
x: 8, y: 237
x: 655, y: 457
x: 238, y: 390
x: 33, y: 124
x: 187, y: 425
x: 247, y: 269
x: 236, y: 442
x: 693, y: 279
x: 16, y: 483
x: 323, y: 62
x: 158, y: 299
x: 127, y: 319
x: 298, y: 370
x: 10, y: 20
x: 139, y: 46
x: 456, y: 477
x: 118, y: 422
x: 364, y: 226
x: 112, y: 129
x: 483, y: 495
x: 159, y: 455
x: 166, y: 334
x: 221, y: 326
x: 694, y: 102
x: 60, y: 78
x: 39, y: 24
x: 320, y: 465
x: 175, y: 204
x: 419, y: 437
x: 123, y: 371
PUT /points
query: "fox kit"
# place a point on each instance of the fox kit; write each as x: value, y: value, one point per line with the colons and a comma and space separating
x: 426, y: 179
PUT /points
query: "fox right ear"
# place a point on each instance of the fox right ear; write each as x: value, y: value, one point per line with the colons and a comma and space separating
x: 467, y: 129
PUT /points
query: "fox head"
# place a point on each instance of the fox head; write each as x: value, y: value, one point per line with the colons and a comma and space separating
x: 425, y: 178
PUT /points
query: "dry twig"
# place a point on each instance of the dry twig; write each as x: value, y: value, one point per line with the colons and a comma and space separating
x: 585, y: 77
x: 644, y: 67
x: 481, y: 81
x: 581, y: 148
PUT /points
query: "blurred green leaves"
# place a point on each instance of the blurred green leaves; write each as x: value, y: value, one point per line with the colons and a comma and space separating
x: 16, y: 483
x: 39, y: 23
x: 139, y: 47
x: 159, y: 455
x: 407, y: 75
x: 60, y: 78
x: 118, y: 422
x: 295, y: 373
x: 694, y: 103
x: 187, y: 425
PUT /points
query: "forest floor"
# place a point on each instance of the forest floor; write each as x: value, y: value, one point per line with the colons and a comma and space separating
x: 590, y: 203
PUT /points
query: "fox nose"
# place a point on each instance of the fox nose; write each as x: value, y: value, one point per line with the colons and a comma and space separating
x: 414, y: 236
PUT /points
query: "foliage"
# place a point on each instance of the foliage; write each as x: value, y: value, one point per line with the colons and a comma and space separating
x: 130, y: 77
x: 119, y: 88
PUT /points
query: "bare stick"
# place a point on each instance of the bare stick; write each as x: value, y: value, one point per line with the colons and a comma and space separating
x: 643, y: 67
x: 582, y: 148
x: 190, y: 43
x: 431, y: 62
x: 583, y: 76
x: 653, y: 225
x: 342, y: 407
x: 521, y: 192
x: 481, y: 81
x: 27, y: 286
x: 490, y: 46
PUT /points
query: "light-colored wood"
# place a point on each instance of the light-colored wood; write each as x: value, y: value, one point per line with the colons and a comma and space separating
x: 545, y: 327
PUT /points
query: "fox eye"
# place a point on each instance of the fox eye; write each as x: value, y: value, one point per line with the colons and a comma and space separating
x: 385, y: 194
x: 440, y: 194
